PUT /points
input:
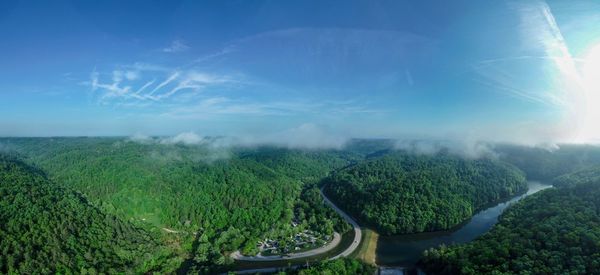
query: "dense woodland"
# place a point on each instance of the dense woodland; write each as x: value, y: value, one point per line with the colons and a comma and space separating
x: 319, y: 217
x: 548, y: 163
x: 207, y: 200
x: 342, y: 266
x: 406, y: 193
x: 51, y: 229
x: 589, y: 174
x: 113, y: 205
x: 554, y: 232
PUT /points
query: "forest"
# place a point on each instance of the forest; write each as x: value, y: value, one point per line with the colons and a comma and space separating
x: 540, y: 163
x: 50, y: 229
x: 202, y: 200
x: 401, y: 193
x: 554, y: 232
x: 115, y: 205
x: 589, y: 174
x: 342, y: 266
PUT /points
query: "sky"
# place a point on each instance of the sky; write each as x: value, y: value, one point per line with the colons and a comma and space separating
x: 322, y: 71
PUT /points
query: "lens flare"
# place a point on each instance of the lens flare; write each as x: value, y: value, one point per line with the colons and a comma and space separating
x: 590, y: 78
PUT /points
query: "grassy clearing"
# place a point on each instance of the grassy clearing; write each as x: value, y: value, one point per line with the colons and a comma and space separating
x: 368, y: 246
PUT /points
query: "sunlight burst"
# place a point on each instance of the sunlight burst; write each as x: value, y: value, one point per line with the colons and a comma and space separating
x: 590, y: 128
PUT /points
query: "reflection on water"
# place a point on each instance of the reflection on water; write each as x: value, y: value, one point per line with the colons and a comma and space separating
x: 407, y: 249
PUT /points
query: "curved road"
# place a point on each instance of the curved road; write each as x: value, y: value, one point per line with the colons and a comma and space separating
x: 357, y: 230
x: 314, y: 252
x: 329, y: 246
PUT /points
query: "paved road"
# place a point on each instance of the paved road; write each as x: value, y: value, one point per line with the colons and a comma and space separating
x: 345, y: 253
x: 357, y: 230
x: 329, y: 246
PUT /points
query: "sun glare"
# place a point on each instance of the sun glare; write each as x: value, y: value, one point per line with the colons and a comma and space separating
x: 590, y: 121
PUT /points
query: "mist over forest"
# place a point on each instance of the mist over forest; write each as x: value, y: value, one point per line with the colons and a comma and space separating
x: 299, y: 137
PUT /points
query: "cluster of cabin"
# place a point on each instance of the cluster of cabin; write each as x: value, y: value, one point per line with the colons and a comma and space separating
x: 303, y: 240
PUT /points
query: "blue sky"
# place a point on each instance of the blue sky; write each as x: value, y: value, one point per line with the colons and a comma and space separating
x: 472, y: 69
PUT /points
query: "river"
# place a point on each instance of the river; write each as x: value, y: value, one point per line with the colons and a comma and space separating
x: 406, y: 250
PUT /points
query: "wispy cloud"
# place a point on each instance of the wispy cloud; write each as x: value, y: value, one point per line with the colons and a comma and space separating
x: 226, y: 50
x: 148, y: 84
x: 220, y: 105
x: 539, y: 26
x: 187, y: 138
x: 542, y: 43
x: 202, y: 89
x: 176, y: 46
x: 110, y: 90
x: 165, y: 84
x: 119, y: 75
x: 147, y: 67
x: 539, y: 30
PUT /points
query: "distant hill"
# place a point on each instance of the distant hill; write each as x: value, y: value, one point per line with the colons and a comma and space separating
x: 586, y: 175
x: 546, y: 164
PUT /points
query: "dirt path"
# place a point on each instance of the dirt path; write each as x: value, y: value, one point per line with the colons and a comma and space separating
x: 170, y: 230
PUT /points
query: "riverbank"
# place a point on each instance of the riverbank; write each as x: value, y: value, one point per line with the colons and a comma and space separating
x: 406, y: 250
x: 368, y: 247
x: 392, y: 253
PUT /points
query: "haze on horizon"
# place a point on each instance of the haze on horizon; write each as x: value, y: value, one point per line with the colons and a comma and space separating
x: 305, y: 72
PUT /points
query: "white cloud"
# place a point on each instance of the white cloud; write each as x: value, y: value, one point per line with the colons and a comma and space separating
x: 307, y: 135
x: 540, y: 31
x: 170, y: 79
x: 224, y: 51
x: 132, y: 75
x: 187, y: 138
x: 471, y: 149
x: 146, y: 67
x: 543, y: 48
x: 176, y: 46
x: 194, y: 81
x: 127, y: 84
x: 120, y: 75
x: 141, y: 138
x: 111, y: 90
x: 148, y: 84
x: 312, y: 136
x: 577, y: 99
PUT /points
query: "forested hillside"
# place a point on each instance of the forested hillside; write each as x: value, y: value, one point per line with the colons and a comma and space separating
x: 405, y: 193
x: 586, y: 175
x: 229, y: 197
x: 545, y: 163
x: 554, y: 232
x: 46, y: 228
x: 166, y: 202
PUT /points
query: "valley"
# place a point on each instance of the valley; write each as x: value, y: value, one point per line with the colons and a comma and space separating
x: 210, y: 215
